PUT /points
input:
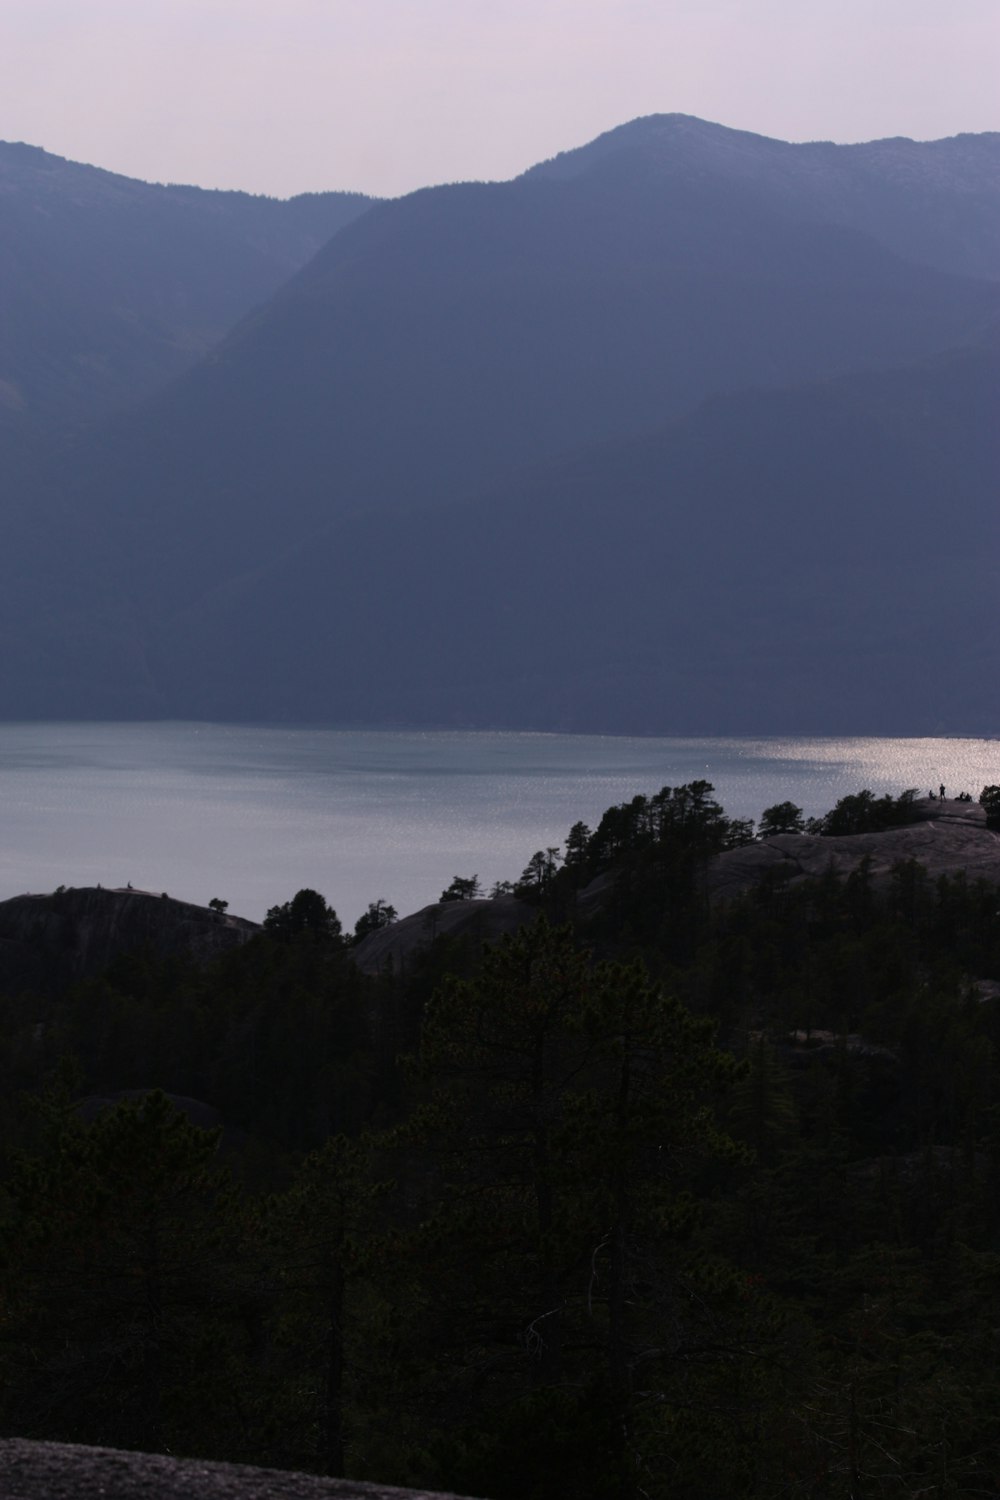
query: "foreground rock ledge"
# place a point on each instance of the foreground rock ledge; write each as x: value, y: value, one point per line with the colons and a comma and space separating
x: 65, y: 1471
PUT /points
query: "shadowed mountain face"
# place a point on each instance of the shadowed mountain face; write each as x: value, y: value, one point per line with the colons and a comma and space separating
x: 820, y: 560
x: 361, y: 508
x: 112, y: 286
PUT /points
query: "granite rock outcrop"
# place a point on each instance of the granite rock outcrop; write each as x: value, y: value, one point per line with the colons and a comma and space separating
x: 393, y: 948
x: 946, y: 837
x: 69, y: 1471
x: 50, y: 941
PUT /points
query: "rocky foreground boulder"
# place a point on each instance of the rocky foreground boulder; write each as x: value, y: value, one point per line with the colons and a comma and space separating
x: 946, y: 837
x: 66, y: 1471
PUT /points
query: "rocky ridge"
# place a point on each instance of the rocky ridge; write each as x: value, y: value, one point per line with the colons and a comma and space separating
x: 50, y: 941
x: 392, y: 948
x: 947, y: 838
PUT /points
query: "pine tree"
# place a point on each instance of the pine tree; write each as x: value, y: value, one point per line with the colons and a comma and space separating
x: 572, y: 1115
x: 116, y: 1270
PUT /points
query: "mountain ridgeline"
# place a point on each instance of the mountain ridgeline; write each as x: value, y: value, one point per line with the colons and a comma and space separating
x: 114, y: 286
x: 685, y: 431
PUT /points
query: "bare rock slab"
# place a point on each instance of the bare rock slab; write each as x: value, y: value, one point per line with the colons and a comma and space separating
x: 68, y: 1471
x: 947, y: 838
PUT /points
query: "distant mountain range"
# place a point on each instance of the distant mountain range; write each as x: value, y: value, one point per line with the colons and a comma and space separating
x: 686, y: 431
x: 111, y: 287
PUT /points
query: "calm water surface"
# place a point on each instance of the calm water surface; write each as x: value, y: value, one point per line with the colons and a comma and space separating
x: 253, y: 814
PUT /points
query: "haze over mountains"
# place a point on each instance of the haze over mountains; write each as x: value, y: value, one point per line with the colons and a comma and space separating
x: 685, y: 431
x: 112, y: 286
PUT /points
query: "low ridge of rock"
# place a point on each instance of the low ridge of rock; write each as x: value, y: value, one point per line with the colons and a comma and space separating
x: 393, y: 948
x: 946, y: 837
x: 50, y: 941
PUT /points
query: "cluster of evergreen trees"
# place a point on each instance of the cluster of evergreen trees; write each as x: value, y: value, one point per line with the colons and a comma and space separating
x: 651, y: 1199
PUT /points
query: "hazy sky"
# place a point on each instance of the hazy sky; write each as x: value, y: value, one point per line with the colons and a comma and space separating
x: 283, y: 96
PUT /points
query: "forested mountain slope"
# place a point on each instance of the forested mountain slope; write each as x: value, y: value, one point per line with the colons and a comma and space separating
x: 111, y: 286
x: 934, y: 202
x: 380, y: 498
x: 453, y: 336
x: 817, y: 560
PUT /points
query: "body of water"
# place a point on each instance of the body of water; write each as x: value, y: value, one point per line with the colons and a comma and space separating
x: 254, y: 814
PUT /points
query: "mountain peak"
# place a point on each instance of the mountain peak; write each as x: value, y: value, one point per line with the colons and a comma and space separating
x: 875, y: 183
x: 647, y: 135
x: 678, y: 144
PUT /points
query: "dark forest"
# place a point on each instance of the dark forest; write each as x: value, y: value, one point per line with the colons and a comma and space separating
x: 657, y: 1196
